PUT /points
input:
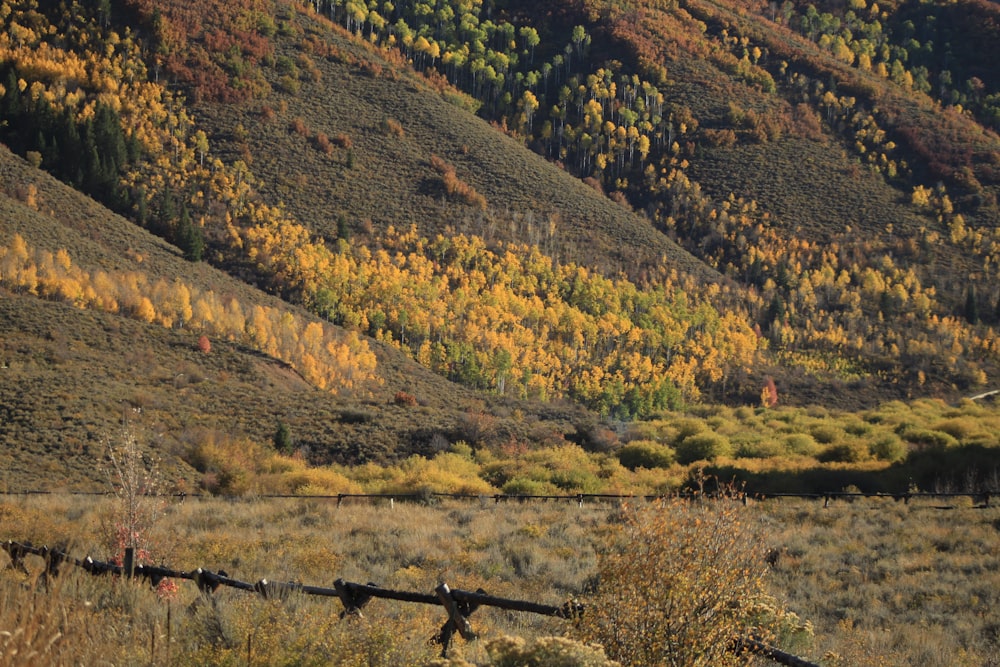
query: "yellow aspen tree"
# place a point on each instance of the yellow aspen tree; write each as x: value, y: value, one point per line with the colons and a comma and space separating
x: 144, y: 310
x: 203, y: 311
x: 258, y: 329
x: 105, y: 291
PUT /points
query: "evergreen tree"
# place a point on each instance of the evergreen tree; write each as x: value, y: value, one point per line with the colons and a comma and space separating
x: 10, y: 103
x: 971, y: 306
x: 776, y: 309
x: 343, y: 231
x: 189, y: 237
x: 70, y: 164
x: 283, y: 438
x: 163, y: 223
x: 141, y: 210
x: 110, y: 140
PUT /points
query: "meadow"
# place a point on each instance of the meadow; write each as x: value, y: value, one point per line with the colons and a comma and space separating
x: 867, y: 582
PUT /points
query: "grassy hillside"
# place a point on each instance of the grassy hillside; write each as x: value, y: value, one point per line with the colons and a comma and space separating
x: 353, y: 97
x: 394, y: 122
x: 770, y: 181
x: 632, y: 209
x: 70, y: 373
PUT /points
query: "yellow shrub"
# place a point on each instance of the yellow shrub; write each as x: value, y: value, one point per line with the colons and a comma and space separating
x: 320, y: 482
x: 679, y: 581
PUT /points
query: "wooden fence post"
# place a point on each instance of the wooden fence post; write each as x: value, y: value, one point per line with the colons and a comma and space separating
x: 128, y: 565
x: 352, y: 600
x: 456, y: 619
x: 168, y: 631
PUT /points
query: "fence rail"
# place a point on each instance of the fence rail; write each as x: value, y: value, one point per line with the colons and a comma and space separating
x: 984, y: 497
x: 458, y: 604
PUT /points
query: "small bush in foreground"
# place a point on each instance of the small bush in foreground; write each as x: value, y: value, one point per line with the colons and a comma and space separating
x: 678, y: 582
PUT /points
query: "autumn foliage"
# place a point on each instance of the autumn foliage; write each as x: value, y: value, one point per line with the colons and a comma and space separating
x: 331, y: 361
x: 455, y: 187
x: 847, y: 308
x: 679, y: 581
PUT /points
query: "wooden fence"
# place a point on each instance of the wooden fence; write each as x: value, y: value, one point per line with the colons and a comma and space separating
x: 458, y: 604
x: 980, y: 499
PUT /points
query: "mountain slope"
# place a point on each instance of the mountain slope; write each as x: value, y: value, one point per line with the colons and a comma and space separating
x: 70, y: 375
x: 711, y: 197
x: 774, y: 183
x: 388, y: 178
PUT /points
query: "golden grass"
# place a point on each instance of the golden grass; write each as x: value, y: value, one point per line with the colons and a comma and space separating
x: 878, y: 580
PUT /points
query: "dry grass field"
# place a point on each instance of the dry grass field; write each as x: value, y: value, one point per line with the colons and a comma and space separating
x: 871, y: 582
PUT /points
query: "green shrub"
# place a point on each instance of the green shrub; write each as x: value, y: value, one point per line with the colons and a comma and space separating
x: 857, y: 427
x: 716, y: 422
x: 888, y: 447
x: 352, y: 416
x: 705, y: 446
x: 817, y: 411
x: 538, y: 652
x: 463, y: 449
x: 826, y: 434
x: 642, y: 430
x: 646, y: 454
x: 286, y: 65
x: 960, y: 428
x: 685, y: 428
x: 283, y: 438
x: 575, y: 480
x: 925, y: 437
x: 545, y: 652
x: 780, y: 426
x: 523, y: 486
x: 802, y: 444
x: 266, y: 25
x: 759, y: 447
x: 706, y: 410
x: 289, y: 84
x: 844, y: 452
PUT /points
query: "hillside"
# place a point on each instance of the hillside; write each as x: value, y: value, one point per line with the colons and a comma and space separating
x: 391, y: 228
x: 793, y: 193
x: 71, y: 374
x: 390, y: 179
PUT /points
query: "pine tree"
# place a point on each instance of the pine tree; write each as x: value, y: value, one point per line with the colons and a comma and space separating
x: 343, y: 231
x: 971, y: 306
x: 161, y: 226
x: 10, y: 103
x: 141, y: 211
x: 189, y: 237
x: 283, y: 438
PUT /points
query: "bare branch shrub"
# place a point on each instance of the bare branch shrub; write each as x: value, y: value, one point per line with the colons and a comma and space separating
x: 136, y: 484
